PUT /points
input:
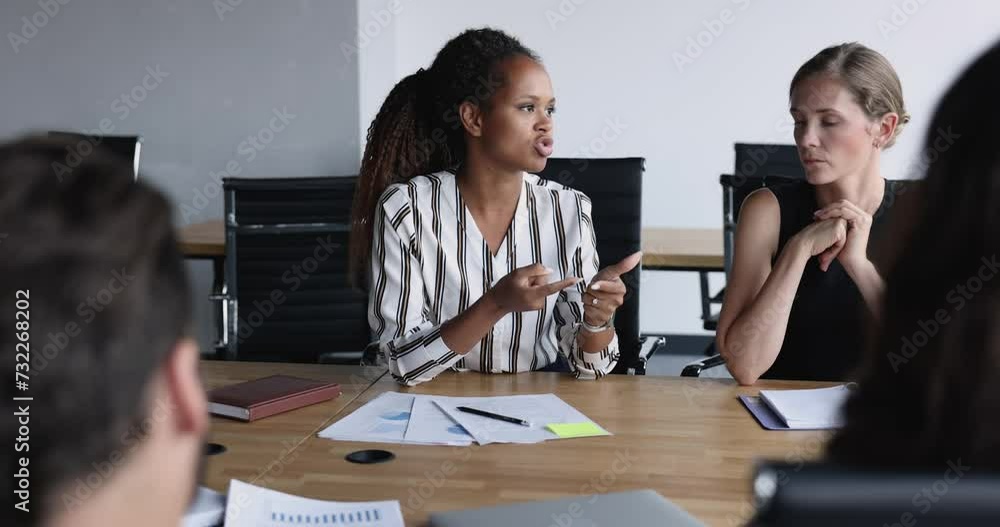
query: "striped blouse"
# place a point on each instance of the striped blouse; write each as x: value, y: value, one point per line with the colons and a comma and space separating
x: 430, y: 263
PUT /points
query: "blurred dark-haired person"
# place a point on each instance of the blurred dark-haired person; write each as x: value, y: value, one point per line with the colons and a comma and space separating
x: 91, y: 277
x: 929, y: 393
x: 472, y: 261
x: 802, y: 283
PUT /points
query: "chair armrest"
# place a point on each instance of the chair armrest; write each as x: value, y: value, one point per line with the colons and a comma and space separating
x: 695, y: 368
x: 221, y: 344
x: 717, y: 299
x: 648, y: 346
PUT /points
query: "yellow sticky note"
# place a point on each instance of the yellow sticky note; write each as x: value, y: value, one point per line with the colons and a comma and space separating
x: 568, y: 430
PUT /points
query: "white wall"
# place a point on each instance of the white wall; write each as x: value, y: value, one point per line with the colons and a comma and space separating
x: 618, y: 61
x: 225, y: 71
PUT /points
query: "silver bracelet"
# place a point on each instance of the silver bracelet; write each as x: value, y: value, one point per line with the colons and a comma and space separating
x: 597, y: 329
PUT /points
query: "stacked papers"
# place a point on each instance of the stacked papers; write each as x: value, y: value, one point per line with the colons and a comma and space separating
x: 434, y: 420
x: 815, y: 409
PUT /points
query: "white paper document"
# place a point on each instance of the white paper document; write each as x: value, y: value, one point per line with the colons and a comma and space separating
x: 206, y: 510
x: 429, y: 425
x: 388, y: 419
x: 252, y: 506
x: 539, y: 410
x: 808, y: 409
x: 381, y: 420
x: 434, y: 420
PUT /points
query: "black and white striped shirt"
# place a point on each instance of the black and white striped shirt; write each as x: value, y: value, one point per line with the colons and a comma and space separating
x: 430, y: 263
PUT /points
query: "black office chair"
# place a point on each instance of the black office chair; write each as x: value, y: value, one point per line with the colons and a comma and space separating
x: 825, y: 495
x: 127, y: 147
x: 757, y: 165
x: 287, y: 295
x: 614, y: 187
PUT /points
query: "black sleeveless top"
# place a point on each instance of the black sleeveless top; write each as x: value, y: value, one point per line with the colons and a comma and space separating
x: 826, y: 327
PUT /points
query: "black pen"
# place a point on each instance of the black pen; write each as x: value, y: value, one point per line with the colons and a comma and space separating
x: 492, y: 415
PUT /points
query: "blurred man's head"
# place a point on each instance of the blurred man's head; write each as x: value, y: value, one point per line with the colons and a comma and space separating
x: 89, y: 265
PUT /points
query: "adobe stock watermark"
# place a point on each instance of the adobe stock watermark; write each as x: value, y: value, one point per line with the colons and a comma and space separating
x: 924, y: 500
x: 122, y: 106
x: 31, y: 26
x: 611, y: 132
x: 376, y: 22
x: 958, y: 296
x: 702, y: 40
x: 899, y: 15
x: 738, y: 342
x: 265, y: 477
x: 85, y: 487
x: 87, y: 310
x: 421, y: 491
x: 943, y: 141
x: 803, y: 453
x: 783, y: 129
x: 224, y: 7
x: 293, y: 277
x: 918, y: 167
x: 764, y: 320
x: 248, y: 149
x: 425, y: 147
x: 597, y: 486
x: 562, y: 13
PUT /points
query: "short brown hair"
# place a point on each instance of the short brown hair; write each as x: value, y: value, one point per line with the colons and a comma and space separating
x: 108, y: 299
x: 868, y: 76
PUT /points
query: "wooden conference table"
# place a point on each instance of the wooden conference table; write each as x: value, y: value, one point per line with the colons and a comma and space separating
x: 689, y: 439
x: 253, y: 447
x: 664, y: 248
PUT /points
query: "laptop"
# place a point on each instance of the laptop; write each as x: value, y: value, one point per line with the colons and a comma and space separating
x: 127, y: 147
x: 637, y: 508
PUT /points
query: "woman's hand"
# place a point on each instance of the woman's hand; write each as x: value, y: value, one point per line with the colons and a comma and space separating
x: 606, y: 292
x: 825, y: 238
x: 525, y: 289
x: 854, y: 253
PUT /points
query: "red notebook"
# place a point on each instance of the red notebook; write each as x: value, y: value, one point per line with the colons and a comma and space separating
x: 252, y: 400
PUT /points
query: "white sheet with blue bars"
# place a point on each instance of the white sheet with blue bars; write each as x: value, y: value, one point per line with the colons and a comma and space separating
x: 363, y: 517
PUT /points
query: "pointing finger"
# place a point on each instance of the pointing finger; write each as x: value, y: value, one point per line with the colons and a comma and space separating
x: 535, y: 269
x: 615, y: 270
x: 608, y: 286
x: 555, y: 287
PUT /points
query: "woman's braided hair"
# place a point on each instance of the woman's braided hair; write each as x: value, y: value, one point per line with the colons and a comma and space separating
x: 418, y: 131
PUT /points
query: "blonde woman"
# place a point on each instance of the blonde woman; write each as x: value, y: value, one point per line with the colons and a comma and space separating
x: 802, y: 278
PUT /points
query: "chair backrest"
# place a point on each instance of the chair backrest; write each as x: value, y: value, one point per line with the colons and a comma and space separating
x: 757, y: 165
x: 768, y: 160
x: 821, y: 494
x: 286, y: 268
x: 127, y: 147
x: 614, y: 186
